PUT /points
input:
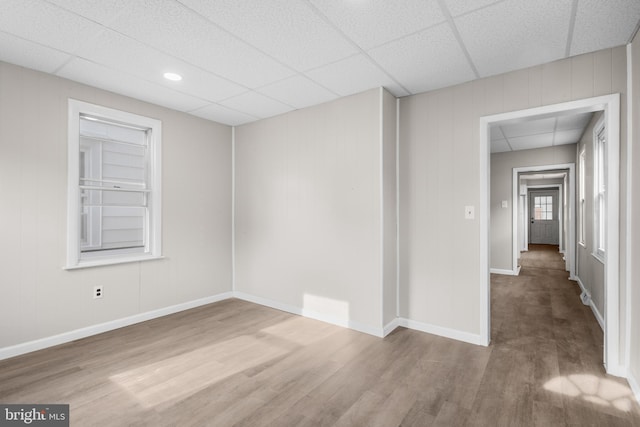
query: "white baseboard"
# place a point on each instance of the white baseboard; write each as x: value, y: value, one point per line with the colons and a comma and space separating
x: 634, y: 384
x: 65, y: 337
x: 505, y: 272
x: 597, y: 314
x: 591, y: 304
x: 441, y: 331
x: 389, y: 327
x: 345, y: 323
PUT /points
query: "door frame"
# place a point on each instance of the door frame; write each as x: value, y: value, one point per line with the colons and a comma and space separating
x: 560, y: 212
x: 570, y: 244
x: 610, y: 104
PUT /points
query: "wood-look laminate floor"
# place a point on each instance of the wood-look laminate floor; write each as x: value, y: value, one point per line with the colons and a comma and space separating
x: 234, y: 363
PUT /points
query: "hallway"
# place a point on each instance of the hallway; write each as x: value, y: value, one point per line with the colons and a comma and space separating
x: 554, y: 346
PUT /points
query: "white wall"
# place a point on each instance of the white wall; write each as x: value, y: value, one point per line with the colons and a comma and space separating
x: 38, y: 298
x: 309, y: 210
x: 589, y: 270
x: 440, y: 174
x: 502, y: 165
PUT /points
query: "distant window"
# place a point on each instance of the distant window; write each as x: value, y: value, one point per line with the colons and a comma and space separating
x: 113, y: 186
x: 582, y: 197
x: 543, y: 208
x: 600, y: 190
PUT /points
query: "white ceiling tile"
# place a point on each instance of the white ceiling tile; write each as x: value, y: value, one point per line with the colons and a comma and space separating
x: 101, y: 11
x: 224, y: 115
x: 255, y: 104
x: 530, y: 127
x: 499, y: 146
x: 515, y: 34
x: 567, y: 136
x: 125, y: 54
x: 109, y: 79
x: 575, y: 121
x: 458, y: 7
x: 172, y: 28
x: 375, y: 22
x: 298, y: 91
x: 426, y: 60
x: 603, y: 24
x: 531, y: 141
x: 297, y: 36
x: 46, y: 24
x: 31, y: 55
x: 354, y: 75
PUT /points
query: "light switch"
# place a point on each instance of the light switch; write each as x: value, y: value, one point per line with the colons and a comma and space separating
x: 505, y: 204
x: 469, y: 212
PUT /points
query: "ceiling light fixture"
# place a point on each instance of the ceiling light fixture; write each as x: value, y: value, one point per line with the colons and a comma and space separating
x: 173, y: 77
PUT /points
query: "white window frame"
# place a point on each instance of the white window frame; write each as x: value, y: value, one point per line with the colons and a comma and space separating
x: 599, y: 191
x: 153, y: 224
x: 582, y: 203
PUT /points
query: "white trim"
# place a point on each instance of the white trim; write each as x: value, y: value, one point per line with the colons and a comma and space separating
x: 153, y: 240
x: 570, y: 253
x: 357, y: 326
x: 585, y: 297
x: 397, y: 207
x: 629, y: 261
x: 596, y: 214
x: 66, y: 337
x: 611, y: 106
x: 505, y: 272
x: 560, y: 201
x: 442, y: 332
x: 381, y: 205
x: 112, y: 260
x: 390, y: 327
x: 485, y: 229
x: 233, y: 208
x: 612, y: 255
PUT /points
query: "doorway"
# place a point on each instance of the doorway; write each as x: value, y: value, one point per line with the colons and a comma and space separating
x: 610, y: 105
x: 544, y: 222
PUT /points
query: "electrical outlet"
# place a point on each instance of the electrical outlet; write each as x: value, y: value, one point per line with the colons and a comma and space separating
x: 469, y: 212
x: 97, y: 292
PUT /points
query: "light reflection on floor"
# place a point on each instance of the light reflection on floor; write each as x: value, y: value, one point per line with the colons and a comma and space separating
x: 172, y: 379
x: 591, y: 388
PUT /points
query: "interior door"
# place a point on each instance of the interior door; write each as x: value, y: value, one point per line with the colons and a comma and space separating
x: 543, y: 212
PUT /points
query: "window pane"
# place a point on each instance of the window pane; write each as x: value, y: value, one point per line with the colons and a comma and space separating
x: 113, y: 159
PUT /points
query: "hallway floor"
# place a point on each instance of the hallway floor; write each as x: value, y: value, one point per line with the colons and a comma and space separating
x: 551, y: 347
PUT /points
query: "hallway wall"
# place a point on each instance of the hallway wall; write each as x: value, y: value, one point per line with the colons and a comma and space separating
x: 589, y: 270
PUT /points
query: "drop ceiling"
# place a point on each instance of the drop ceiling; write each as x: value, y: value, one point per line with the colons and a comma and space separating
x: 244, y: 60
x: 529, y: 134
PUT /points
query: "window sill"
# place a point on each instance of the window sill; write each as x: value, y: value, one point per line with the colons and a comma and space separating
x: 112, y: 261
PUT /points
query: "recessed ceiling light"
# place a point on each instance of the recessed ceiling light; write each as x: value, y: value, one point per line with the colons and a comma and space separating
x: 173, y: 77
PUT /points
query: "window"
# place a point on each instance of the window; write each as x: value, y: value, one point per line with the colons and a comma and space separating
x: 113, y: 186
x: 600, y: 189
x: 543, y: 207
x: 582, y: 197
